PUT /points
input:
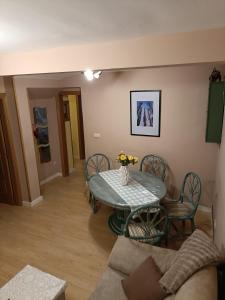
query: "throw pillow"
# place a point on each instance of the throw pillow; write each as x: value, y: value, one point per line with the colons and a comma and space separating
x: 196, y: 252
x: 143, y: 283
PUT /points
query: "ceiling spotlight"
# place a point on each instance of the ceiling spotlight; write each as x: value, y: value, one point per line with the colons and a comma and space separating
x: 97, y: 74
x: 90, y: 75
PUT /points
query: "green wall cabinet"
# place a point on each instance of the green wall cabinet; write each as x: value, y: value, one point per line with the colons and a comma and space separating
x: 215, y: 112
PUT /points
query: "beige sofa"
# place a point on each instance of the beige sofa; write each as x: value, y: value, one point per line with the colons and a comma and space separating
x: 128, y: 254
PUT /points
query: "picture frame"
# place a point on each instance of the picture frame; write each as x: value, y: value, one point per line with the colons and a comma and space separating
x: 40, y: 116
x: 42, y: 136
x: 45, y: 154
x: 145, y: 112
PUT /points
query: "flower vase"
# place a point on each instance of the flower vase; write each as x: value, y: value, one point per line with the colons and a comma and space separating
x: 124, y: 175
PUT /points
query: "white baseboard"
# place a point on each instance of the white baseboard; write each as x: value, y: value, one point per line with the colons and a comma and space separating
x: 205, y: 208
x: 50, y: 178
x: 34, y: 202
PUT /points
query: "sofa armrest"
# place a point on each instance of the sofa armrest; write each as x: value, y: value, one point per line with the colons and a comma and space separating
x: 128, y: 254
x: 201, y: 286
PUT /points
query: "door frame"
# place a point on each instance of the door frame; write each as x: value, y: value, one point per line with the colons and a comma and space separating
x: 62, y: 130
x: 11, y: 153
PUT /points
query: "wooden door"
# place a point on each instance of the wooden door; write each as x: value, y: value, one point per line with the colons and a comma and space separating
x: 62, y: 131
x: 6, y: 191
x: 80, y: 127
x: 62, y: 135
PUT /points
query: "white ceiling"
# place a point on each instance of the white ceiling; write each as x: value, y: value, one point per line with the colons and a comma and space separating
x: 32, y: 24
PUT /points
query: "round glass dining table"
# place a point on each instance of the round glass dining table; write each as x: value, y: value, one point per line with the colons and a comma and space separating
x: 106, y: 194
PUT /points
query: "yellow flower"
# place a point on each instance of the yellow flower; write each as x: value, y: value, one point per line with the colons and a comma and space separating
x: 130, y: 157
x: 135, y: 159
x: 122, y: 157
x: 122, y: 153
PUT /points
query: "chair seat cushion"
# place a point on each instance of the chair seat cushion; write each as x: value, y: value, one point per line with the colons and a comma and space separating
x: 179, y: 209
x: 143, y: 283
x: 151, y: 235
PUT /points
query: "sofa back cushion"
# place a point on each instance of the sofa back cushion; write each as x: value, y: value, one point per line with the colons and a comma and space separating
x: 128, y: 254
x: 195, y: 253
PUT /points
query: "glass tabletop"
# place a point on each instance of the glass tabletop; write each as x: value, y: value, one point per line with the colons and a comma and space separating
x: 106, y: 194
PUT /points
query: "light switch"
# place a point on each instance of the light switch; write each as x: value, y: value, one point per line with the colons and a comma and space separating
x: 96, y: 135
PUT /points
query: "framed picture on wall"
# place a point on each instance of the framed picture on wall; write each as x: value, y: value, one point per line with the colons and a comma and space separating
x: 145, y: 112
x: 45, y: 154
x: 42, y: 135
x: 40, y: 116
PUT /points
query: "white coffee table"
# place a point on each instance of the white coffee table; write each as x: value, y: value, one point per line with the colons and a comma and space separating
x: 32, y: 284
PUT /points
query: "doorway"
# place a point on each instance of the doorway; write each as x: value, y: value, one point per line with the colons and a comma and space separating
x: 57, y: 124
x: 71, y: 127
x: 9, y: 189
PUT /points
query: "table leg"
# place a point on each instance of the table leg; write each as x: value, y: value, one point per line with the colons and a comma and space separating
x: 117, y: 221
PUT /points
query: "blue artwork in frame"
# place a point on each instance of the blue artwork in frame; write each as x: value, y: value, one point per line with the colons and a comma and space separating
x: 145, y: 112
x: 40, y: 116
x: 42, y: 135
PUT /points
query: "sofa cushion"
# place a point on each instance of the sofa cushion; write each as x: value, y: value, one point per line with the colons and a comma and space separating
x: 128, y: 254
x: 109, y: 287
x: 195, y: 253
x: 143, y: 283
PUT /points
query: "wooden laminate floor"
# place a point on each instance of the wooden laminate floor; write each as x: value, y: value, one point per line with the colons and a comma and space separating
x: 61, y: 236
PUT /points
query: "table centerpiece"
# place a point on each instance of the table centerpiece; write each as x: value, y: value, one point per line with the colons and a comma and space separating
x: 125, y: 160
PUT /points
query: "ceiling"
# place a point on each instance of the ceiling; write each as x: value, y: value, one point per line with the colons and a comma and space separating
x: 37, y: 24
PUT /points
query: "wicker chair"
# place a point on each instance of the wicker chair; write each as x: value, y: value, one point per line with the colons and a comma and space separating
x: 94, y: 164
x: 147, y: 224
x: 154, y: 165
x: 185, y: 207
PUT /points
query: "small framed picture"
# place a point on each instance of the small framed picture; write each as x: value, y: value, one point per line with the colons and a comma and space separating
x: 40, y: 116
x: 42, y: 135
x: 145, y: 112
x: 45, y: 154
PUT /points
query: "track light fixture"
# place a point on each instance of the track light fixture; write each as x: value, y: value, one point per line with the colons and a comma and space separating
x: 90, y: 75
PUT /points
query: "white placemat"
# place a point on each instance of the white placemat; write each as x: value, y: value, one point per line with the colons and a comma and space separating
x: 133, y: 194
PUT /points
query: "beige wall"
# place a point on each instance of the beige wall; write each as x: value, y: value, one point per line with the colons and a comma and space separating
x: 21, y: 85
x: 6, y: 86
x: 15, y: 131
x: 106, y: 109
x: 219, y: 197
x: 180, y: 48
x: 52, y: 167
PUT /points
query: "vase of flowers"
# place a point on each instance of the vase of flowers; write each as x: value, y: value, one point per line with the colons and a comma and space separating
x: 125, y: 160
